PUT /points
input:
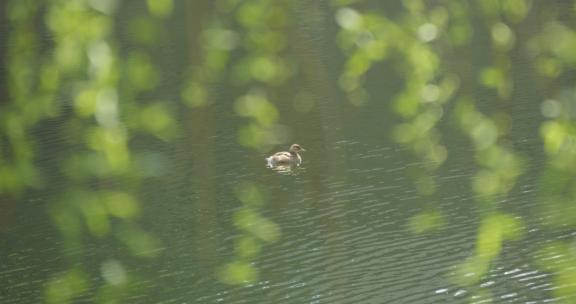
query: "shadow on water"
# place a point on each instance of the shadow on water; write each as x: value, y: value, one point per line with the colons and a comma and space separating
x: 439, y: 165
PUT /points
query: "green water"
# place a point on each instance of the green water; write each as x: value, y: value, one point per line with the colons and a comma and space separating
x: 439, y: 165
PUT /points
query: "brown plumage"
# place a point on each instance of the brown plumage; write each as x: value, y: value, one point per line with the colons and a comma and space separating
x: 285, y: 158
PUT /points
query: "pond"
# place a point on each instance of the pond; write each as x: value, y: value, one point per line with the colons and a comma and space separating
x: 439, y: 162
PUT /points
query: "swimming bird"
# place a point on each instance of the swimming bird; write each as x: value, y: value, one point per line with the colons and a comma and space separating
x: 286, y: 158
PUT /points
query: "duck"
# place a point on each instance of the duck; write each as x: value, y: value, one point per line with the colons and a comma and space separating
x: 286, y: 158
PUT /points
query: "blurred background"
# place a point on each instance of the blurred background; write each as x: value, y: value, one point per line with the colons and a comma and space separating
x: 440, y: 163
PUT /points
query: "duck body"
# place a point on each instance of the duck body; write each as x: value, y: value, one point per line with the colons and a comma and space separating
x: 286, y: 158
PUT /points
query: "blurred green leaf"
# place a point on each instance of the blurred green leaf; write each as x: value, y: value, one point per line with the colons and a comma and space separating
x: 426, y: 222
x: 160, y: 8
x: 64, y: 287
x: 238, y: 273
x: 121, y: 204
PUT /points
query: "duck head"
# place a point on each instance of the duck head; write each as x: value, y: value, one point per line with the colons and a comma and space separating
x: 295, y: 148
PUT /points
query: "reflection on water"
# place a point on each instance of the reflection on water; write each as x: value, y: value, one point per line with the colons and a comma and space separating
x: 287, y: 169
x: 440, y: 164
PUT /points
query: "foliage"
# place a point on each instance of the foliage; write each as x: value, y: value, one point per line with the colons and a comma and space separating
x: 425, y: 35
x: 259, y: 36
x: 102, y: 79
x: 79, y: 78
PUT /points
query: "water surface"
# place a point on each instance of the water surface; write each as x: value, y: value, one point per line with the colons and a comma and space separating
x: 439, y: 163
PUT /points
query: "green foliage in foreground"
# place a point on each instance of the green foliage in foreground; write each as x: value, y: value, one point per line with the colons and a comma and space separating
x: 448, y: 56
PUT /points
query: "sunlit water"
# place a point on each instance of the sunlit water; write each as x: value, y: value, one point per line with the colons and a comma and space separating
x: 345, y: 237
x: 345, y: 240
